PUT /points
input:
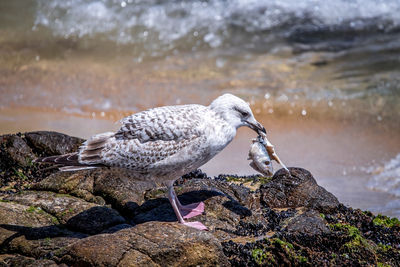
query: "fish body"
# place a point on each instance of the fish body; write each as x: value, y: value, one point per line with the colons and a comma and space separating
x: 261, y: 153
x: 260, y: 157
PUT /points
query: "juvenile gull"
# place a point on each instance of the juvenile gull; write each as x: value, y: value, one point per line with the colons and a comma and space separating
x: 164, y: 143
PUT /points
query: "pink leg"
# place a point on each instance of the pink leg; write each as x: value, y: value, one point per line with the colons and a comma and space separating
x: 191, y: 210
x: 173, y: 200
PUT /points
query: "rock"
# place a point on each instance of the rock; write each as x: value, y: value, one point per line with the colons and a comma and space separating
x: 17, y: 155
x: 118, y: 187
x: 79, y: 184
x: 297, y: 190
x: 52, y: 143
x: 152, y: 243
x: 225, y: 207
x: 18, y: 260
x: 18, y: 215
x: 76, y: 213
x: 31, y: 231
x: 135, y: 258
x: 309, y: 223
x: 111, y: 184
x: 105, y: 217
x: 14, y: 151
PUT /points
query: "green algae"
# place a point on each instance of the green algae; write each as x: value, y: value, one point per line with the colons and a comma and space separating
x: 356, y: 242
x: 32, y: 209
x: 384, y: 248
x: 290, y: 250
x: 265, y: 179
x: 237, y: 179
x: 385, y: 221
x: 21, y: 174
x: 54, y: 220
x: 286, y: 245
x: 66, y: 212
x: 262, y: 257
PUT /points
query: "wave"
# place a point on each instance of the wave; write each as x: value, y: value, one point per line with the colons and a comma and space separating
x: 168, y: 25
x: 387, y: 178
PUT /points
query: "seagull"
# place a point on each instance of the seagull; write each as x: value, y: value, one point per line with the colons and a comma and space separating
x: 165, y: 143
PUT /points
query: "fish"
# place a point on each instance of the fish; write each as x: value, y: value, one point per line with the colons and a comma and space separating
x: 260, y: 157
x: 262, y: 153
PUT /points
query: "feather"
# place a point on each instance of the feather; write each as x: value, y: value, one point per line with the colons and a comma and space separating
x: 163, y: 123
x: 66, y: 159
x: 91, y: 151
x: 76, y: 168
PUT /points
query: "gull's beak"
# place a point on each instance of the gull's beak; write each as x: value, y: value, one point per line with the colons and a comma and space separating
x: 256, y: 126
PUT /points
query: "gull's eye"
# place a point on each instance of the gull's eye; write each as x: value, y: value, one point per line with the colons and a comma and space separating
x: 242, y: 113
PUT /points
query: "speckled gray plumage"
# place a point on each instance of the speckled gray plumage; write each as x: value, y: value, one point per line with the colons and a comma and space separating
x: 162, y: 143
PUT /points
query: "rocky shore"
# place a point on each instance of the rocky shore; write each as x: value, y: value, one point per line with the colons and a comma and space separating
x: 102, y: 217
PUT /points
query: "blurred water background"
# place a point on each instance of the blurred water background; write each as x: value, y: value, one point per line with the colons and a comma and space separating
x: 323, y: 76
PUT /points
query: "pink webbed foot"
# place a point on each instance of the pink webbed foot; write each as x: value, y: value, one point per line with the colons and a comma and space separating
x: 197, y: 225
x: 191, y: 210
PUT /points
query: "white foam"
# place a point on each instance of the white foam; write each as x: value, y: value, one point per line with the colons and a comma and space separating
x: 172, y: 20
x: 387, y: 179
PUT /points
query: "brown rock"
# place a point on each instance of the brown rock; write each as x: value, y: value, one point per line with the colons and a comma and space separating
x: 76, y: 213
x: 19, y: 260
x: 13, y: 214
x: 31, y: 231
x: 116, y: 186
x: 153, y: 243
x: 296, y: 190
x: 79, y: 184
x: 134, y: 258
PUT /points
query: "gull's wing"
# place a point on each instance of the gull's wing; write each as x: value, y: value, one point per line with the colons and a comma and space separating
x: 163, y: 123
x: 146, y: 138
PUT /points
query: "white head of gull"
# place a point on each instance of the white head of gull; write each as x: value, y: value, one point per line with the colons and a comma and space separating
x: 165, y: 143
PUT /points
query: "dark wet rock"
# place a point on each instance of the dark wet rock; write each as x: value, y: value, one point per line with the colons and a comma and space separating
x: 106, y: 217
x: 17, y: 167
x: 299, y: 189
x: 15, y: 151
x: 116, y: 228
x: 309, y: 222
x: 52, y: 143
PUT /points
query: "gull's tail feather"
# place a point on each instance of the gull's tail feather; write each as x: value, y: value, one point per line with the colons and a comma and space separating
x: 88, y: 157
x: 76, y: 168
x: 91, y: 151
x: 67, y: 159
x: 67, y: 162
